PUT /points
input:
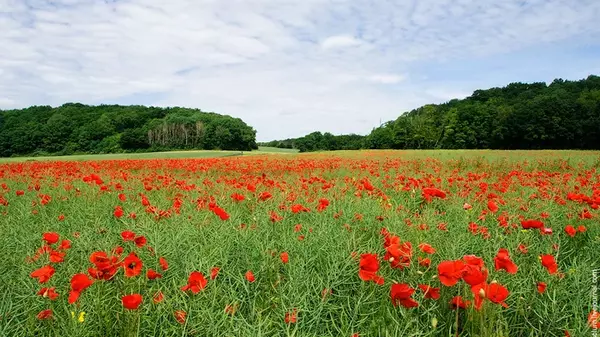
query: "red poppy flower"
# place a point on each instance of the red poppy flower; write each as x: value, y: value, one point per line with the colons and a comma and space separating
x: 594, y: 319
x: 426, y: 248
x: 425, y: 262
x: 79, y: 282
x: 523, y: 249
x: 401, y: 293
x: 214, y: 271
x: 549, y: 263
x: 398, y: 253
x: 152, y: 275
x: 140, y: 241
x: 48, y: 292
x: 180, y: 316
x: 118, y: 212
x: 570, y: 230
x: 250, y: 276
x: 196, y: 282
x: 430, y: 292
x: 106, y: 267
x: 56, y: 256
x: 291, y: 316
x: 158, y: 297
x: 45, y: 314
x: 474, y: 274
x: 503, y: 261
x: 528, y: 224
x: 132, y: 301
x: 458, y: 302
x: 133, y: 265
x: 368, y: 268
x: 164, y: 265
x: 492, y: 206
x: 122, y: 197
x: 64, y: 245
x: 43, y: 274
x: 128, y: 235
x: 541, y: 287
x: 497, y: 293
x: 50, y: 237
x: 450, y: 272
x: 284, y: 257
x: 581, y: 228
x: 430, y: 192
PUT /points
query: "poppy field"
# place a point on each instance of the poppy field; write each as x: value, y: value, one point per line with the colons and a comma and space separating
x: 363, y: 243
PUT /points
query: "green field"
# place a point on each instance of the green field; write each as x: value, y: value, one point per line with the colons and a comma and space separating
x: 338, y: 244
x: 151, y: 155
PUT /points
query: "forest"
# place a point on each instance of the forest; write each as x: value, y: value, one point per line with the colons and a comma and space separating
x: 75, y: 128
x: 561, y: 115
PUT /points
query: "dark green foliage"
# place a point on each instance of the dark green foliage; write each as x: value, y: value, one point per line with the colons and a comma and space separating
x: 77, y: 128
x: 317, y: 141
x: 562, y: 115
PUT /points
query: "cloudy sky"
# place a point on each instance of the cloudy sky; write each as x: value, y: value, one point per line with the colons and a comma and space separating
x: 288, y: 67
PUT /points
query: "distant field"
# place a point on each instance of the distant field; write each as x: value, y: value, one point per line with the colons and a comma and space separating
x: 275, y: 150
x: 151, y: 155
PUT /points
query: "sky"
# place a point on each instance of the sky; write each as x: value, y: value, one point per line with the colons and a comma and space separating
x: 288, y: 67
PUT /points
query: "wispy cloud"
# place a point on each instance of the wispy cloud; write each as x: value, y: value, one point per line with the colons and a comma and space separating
x: 340, y: 41
x: 288, y: 67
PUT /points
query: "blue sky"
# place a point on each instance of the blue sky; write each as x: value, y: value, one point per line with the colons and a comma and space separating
x: 288, y: 67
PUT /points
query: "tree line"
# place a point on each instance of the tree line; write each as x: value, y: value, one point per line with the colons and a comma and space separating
x: 77, y: 128
x: 561, y: 115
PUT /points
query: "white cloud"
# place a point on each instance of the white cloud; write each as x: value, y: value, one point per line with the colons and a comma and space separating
x: 386, y: 78
x: 285, y: 67
x: 340, y: 41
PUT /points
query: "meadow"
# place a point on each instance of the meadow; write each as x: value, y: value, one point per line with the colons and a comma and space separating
x: 350, y: 243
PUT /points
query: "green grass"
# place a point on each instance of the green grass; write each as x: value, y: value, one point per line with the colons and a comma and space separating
x: 276, y: 150
x: 195, y: 239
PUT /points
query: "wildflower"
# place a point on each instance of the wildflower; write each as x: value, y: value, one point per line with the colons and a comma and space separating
x: 180, y: 316
x: 152, y: 275
x: 503, y: 261
x: 79, y: 282
x: 284, y: 257
x: 158, y: 297
x: 368, y: 268
x: 132, y: 301
x: 164, y: 265
x: 45, y: 314
x: 50, y: 237
x: 541, y: 287
x: 128, y: 235
x: 426, y: 248
x: 250, y: 276
x: 43, y: 274
x: 549, y: 263
x: 133, y: 265
x: 401, y: 293
x: 196, y: 282
x: 430, y: 292
x: 450, y: 272
x: 49, y: 293
x: 291, y: 316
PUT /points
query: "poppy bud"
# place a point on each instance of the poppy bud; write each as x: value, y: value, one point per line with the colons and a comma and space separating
x: 481, y: 292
